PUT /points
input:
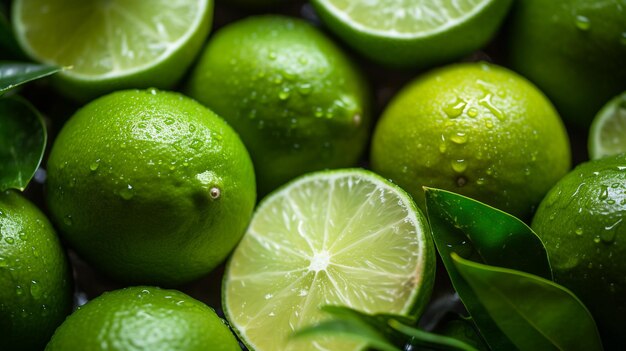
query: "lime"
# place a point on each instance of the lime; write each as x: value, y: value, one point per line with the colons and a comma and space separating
x: 295, y: 99
x: 413, y: 33
x: 476, y: 129
x: 582, y: 222
x: 607, y: 135
x: 143, y: 318
x: 549, y: 40
x: 113, y: 44
x: 150, y: 186
x: 35, y: 280
x: 342, y: 237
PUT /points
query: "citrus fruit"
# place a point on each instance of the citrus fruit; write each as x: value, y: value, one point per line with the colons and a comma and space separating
x: 294, y: 98
x: 342, y: 237
x: 150, y: 186
x: 112, y: 45
x: 582, y: 222
x: 143, y: 318
x: 549, y: 40
x: 607, y: 135
x: 413, y: 33
x: 35, y: 280
x: 476, y: 129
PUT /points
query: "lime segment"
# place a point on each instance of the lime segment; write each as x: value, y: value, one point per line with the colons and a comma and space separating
x: 409, y: 33
x: 113, y: 44
x: 404, y: 18
x: 344, y: 237
x: 607, y: 135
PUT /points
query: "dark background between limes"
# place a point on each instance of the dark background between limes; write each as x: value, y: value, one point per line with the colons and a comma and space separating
x: 384, y: 84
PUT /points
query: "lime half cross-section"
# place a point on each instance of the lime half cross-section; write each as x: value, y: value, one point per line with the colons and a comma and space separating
x: 413, y: 33
x: 607, y: 136
x: 110, y: 45
x: 343, y: 237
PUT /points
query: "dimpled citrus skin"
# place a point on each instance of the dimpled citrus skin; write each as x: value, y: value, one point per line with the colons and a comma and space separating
x: 476, y: 129
x: 143, y: 318
x: 150, y: 187
x: 292, y: 95
x: 582, y: 222
x: 35, y: 280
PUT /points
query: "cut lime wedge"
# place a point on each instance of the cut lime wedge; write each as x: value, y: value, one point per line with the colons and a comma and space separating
x: 413, y: 33
x: 607, y: 135
x: 113, y: 44
x: 344, y: 237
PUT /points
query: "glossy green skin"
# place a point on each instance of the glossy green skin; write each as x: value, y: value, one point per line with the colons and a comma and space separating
x: 35, y: 280
x: 508, y: 162
x: 291, y: 94
x: 579, y: 70
x: 143, y: 318
x: 130, y: 178
x: 581, y: 222
x: 420, y: 51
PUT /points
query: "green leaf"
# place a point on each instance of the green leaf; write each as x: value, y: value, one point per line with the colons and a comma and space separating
x: 462, y: 328
x: 482, y: 233
x: 383, y: 332
x: 533, y: 312
x: 485, y: 234
x: 352, y: 324
x: 22, y: 142
x: 13, y: 74
x: 431, y: 340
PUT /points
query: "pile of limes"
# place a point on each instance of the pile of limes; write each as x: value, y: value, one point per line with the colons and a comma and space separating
x: 213, y: 148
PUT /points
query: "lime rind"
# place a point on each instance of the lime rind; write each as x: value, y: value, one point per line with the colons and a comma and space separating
x: 280, y: 274
x: 607, y: 135
x: 112, y: 35
x: 434, y: 17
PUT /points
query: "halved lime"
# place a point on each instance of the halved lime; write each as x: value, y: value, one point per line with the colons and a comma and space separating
x: 343, y: 237
x: 607, y: 135
x: 413, y: 33
x: 113, y: 44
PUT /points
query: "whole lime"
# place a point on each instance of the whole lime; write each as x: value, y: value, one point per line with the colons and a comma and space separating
x: 476, y: 129
x: 582, y: 222
x: 35, y: 280
x: 143, y: 318
x: 150, y: 186
x: 574, y: 50
x: 295, y: 99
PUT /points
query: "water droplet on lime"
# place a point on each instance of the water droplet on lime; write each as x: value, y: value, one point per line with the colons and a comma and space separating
x: 284, y: 94
x: 583, y: 23
x: 472, y: 112
x: 305, y: 88
x: 459, y: 166
x: 459, y: 138
x: 94, y: 165
x: 35, y: 289
x: 456, y: 108
x: 127, y: 193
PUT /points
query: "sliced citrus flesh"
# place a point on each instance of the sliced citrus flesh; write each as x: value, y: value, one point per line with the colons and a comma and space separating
x: 110, y: 42
x: 607, y: 135
x: 413, y: 33
x: 343, y: 237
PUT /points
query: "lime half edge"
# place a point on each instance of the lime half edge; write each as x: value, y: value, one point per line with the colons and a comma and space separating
x: 413, y: 33
x: 607, y: 135
x: 343, y: 237
x: 113, y: 44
